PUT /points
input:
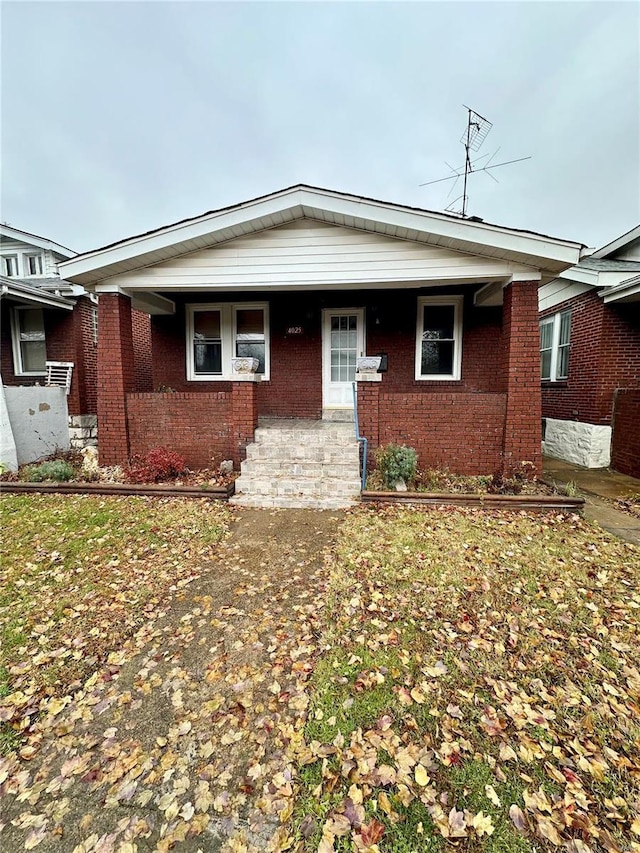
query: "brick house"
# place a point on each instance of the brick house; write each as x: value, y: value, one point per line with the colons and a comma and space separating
x: 46, y: 318
x: 306, y: 281
x: 590, y: 358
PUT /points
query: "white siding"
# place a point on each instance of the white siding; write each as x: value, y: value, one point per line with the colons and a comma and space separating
x: 308, y: 252
x: 559, y: 290
x: 16, y: 247
x: 631, y: 252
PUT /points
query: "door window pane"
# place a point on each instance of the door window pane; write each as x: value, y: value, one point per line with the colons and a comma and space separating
x: 344, y: 347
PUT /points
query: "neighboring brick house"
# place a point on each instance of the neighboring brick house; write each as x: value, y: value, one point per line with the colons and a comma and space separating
x: 307, y: 280
x: 590, y: 359
x: 46, y: 318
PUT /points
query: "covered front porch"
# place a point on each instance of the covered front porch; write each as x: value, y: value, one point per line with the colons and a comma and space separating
x: 485, y: 411
x: 306, y: 281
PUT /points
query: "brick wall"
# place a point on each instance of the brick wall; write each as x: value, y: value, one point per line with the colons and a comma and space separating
x: 195, y: 425
x: 625, y: 443
x: 604, y: 355
x: 521, y: 370
x: 141, y: 335
x: 116, y: 376
x: 69, y: 337
x: 461, y: 431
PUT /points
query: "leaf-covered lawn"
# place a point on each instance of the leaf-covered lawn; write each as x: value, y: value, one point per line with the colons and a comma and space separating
x: 78, y: 575
x: 480, y: 687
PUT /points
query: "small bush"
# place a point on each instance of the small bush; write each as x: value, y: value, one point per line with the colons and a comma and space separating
x: 157, y: 466
x: 57, y: 470
x: 396, y: 463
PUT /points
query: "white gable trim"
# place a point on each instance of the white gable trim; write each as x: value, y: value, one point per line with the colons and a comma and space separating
x: 299, y: 202
x: 33, y: 240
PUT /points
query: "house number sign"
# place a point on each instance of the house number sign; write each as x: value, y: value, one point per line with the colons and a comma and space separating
x: 295, y: 330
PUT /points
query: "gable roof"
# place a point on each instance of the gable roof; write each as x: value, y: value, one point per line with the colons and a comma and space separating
x: 351, y: 211
x: 34, y: 240
x: 618, y: 243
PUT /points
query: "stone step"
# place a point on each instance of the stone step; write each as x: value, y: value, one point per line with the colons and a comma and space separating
x: 276, y: 468
x: 293, y: 452
x: 337, y: 434
x: 270, y: 502
x: 301, y: 486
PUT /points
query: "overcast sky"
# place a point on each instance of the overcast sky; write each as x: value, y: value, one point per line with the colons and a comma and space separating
x: 120, y: 117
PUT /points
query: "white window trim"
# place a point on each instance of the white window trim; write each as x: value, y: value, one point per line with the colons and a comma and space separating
x: 25, y: 265
x: 14, y: 257
x: 555, y: 346
x: 457, y: 302
x: 15, y: 345
x: 228, y: 311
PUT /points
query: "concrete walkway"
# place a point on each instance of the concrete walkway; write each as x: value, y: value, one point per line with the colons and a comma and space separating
x: 599, y: 486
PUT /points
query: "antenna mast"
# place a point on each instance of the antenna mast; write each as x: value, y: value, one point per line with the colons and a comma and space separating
x: 475, y: 134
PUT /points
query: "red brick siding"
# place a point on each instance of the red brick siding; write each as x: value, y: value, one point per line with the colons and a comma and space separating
x: 69, y: 337
x: 141, y: 332
x: 463, y: 432
x: 521, y: 368
x: 460, y: 424
x: 195, y: 425
x: 116, y: 376
x: 604, y: 355
x: 625, y: 443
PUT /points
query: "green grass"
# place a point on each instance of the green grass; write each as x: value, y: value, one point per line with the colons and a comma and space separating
x: 80, y: 573
x: 500, y: 647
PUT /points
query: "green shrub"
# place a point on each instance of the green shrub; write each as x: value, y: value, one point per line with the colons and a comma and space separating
x: 396, y: 463
x: 56, y: 469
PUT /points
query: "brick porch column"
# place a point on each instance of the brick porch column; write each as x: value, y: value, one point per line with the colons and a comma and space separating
x: 244, y: 416
x: 116, y: 376
x: 521, y: 366
x: 369, y: 407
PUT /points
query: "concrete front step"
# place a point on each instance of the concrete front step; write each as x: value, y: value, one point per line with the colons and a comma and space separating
x: 281, y: 502
x: 328, y: 487
x: 312, y: 464
x: 300, y: 453
x: 301, y: 468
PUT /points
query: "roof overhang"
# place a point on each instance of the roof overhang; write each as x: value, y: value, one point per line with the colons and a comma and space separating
x: 626, y: 291
x: 19, y: 292
x: 34, y: 240
x: 618, y: 243
x: 547, y: 254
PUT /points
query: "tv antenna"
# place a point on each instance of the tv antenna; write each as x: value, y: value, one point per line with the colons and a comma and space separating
x: 475, y: 134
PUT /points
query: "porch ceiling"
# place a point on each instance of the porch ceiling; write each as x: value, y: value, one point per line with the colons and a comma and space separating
x: 480, y: 239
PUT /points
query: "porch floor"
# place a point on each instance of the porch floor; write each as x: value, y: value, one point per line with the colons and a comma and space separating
x: 301, y: 424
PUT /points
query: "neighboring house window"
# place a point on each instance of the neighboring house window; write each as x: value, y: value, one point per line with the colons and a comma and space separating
x: 218, y: 333
x: 94, y: 325
x: 29, y: 347
x: 555, y: 332
x: 439, y: 338
x: 10, y: 266
x: 32, y: 264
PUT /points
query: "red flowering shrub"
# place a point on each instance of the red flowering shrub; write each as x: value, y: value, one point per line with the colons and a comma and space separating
x: 157, y: 466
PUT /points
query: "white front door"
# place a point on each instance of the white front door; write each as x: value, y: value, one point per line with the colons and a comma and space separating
x: 342, y: 343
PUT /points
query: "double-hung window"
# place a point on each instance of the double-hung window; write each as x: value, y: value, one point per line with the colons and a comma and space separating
x: 10, y: 266
x: 439, y: 338
x: 218, y: 333
x: 32, y: 264
x: 555, y: 332
x: 29, y: 345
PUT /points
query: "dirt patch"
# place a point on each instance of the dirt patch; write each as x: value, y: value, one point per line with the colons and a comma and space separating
x: 182, y: 738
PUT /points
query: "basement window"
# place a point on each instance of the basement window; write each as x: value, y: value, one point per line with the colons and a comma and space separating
x: 555, y: 332
x: 218, y: 333
x: 439, y: 338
